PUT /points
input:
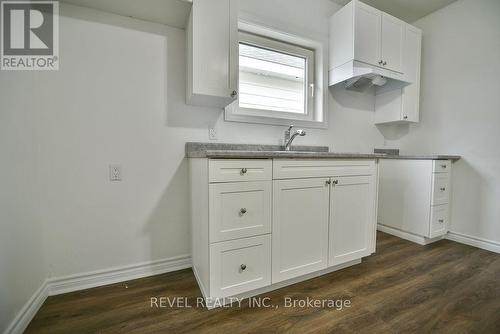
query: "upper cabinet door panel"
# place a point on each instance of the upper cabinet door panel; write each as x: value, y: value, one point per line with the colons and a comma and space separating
x: 212, y: 49
x: 367, y: 34
x: 393, y: 32
x: 411, y: 70
x: 211, y: 39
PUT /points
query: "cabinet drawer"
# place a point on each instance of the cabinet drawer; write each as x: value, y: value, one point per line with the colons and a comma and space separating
x: 439, y: 220
x: 240, y: 209
x: 441, y: 166
x: 239, y: 266
x: 297, y: 168
x: 229, y: 170
x: 440, y: 188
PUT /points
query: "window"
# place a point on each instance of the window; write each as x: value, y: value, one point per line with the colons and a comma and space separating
x: 282, y: 78
x: 275, y: 78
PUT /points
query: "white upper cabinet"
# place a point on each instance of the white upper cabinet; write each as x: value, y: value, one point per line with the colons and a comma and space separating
x: 212, y: 51
x: 367, y: 34
x: 411, y: 67
x: 363, y: 33
x: 392, y: 39
x: 402, y: 105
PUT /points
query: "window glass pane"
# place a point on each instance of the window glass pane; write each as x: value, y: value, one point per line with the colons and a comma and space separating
x: 271, y: 80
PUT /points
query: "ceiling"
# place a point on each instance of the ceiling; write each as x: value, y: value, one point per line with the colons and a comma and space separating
x: 169, y: 12
x: 406, y: 10
x: 175, y: 12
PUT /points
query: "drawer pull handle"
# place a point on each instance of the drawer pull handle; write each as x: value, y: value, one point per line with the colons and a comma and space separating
x: 328, y: 182
x: 243, y: 211
x: 442, y: 189
x: 335, y: 181
x: 243, y: 171
x: 243, y: 267
x: 443, y: 166
x: 441, y: 220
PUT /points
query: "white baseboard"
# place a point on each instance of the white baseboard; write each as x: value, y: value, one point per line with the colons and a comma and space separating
x: 97, y: 278
x: 26, y: 314
x: 59, y: 285
x: 489, y: 245
x: 401, y: 234
x: 485, y: 244
x: 407, y: 235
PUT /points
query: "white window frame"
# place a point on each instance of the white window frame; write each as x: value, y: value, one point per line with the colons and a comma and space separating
x: 293, y: 50
x: 316, y: 102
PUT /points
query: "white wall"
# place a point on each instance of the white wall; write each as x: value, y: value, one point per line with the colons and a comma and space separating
x: 22, y: 261
x: 460, y: 109
x: 118, y: 98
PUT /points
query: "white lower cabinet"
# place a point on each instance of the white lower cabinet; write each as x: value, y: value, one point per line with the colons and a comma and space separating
x: 240, y: 265
x: 414, y: 197
x: 256, y: 222
x: 352, y: 212
x: 439, y: 220
x: 300, y: 227
x: 239, y: 209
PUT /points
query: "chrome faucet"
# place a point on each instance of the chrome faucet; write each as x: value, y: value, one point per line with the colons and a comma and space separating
x: 289, y: 137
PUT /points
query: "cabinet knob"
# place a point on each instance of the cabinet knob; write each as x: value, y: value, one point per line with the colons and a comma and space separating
x: 405, y: 117
x: 243, y: 171
x: 442, y: 189
x: 385, y: 63
x: 234, y: 94
x: 441, y: 220
x: 243, y: 267
x: 328, y: 182
x: 381, y: 62
x: 335, y: 181
x: 243, y: 211
x: 443, y: 166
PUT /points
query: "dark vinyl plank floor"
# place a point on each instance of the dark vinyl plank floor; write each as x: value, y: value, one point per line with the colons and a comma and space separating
x: 445, y: 287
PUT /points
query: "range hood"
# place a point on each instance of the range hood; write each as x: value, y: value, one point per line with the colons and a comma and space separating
x: 359, y: 76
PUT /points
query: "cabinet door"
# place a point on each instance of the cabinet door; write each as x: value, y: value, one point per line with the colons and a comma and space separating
x: 367, y: 34
x: 411, y: 69
x: 393, y: 31
x: 352, y: 218
x: 212, y: 52
x: 300, y: 227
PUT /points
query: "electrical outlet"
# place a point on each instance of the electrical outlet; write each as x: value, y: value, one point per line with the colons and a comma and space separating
x: 115, y: 172
x: 212, y: 132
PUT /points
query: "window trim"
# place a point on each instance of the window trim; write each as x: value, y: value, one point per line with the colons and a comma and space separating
x: 293, y: 50
x: 320, y: 105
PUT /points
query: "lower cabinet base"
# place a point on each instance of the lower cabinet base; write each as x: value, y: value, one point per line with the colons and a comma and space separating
x: 421, y: 240
x: 214, y: 302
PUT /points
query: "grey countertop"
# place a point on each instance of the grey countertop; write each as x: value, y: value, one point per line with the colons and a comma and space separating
x: 234, y: 151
